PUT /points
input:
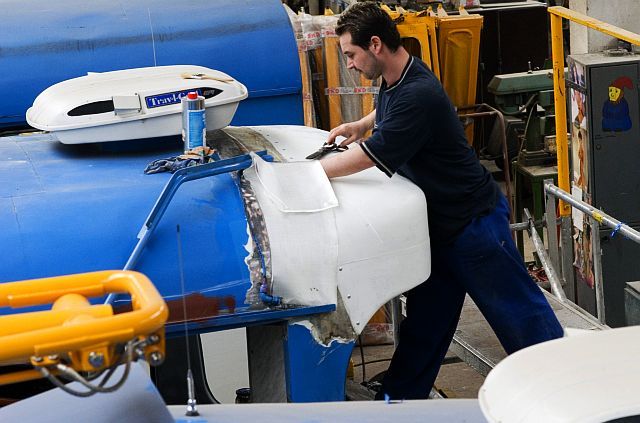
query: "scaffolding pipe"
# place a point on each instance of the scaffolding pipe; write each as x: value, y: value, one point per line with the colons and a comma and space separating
x: 585, y: 315
x: 552, y: 230
x: 554, y: 281
x: 597, y: 269
x: 596, y: 219
x: 598, y: 215
x: 520, y: 226
x: 566, y: 247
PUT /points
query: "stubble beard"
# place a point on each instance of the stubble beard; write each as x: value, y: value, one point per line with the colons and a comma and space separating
x: 375, y: 71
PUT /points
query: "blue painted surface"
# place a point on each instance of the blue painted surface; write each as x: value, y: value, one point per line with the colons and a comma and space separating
x: 315, y: 372
x: 47, y: 42
x: 71, y: 209
x: 246, y: 318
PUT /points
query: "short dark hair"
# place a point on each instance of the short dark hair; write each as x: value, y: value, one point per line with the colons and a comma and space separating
x: 366, y: 19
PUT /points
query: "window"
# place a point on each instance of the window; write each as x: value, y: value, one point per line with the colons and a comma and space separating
x: 92, y: 108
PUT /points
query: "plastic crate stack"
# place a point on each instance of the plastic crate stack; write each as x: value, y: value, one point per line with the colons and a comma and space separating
x: 333, y: 94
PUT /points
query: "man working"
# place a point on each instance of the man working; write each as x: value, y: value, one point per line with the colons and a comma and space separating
x: 417, y: 134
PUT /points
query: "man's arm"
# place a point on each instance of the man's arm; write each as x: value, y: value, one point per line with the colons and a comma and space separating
x: 349, y: 162
x: 353, y: 160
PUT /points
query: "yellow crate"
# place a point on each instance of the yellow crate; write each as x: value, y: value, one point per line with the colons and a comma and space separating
x: 459, y: 49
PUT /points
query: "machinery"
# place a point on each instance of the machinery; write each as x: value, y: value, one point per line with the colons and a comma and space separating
x: 526, y: 101
x: 262, y: 242
x: 605, y: 129
x: 260, y: 237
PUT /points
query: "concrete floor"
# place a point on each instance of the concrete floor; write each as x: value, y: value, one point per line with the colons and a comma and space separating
x: 455, y: 380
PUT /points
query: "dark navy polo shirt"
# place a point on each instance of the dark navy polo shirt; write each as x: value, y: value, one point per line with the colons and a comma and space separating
x: 418, y: 134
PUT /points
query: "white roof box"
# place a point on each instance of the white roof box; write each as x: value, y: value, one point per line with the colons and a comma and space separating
x: 133, y: 103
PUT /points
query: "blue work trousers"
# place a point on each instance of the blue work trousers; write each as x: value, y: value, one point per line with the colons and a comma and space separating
x: 483, y: 261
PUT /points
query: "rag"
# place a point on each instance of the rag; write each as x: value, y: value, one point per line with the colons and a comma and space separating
x: 198, y: 155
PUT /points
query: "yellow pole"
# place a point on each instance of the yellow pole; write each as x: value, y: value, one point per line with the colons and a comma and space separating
x: 557, y: 51
x: 596, y: 24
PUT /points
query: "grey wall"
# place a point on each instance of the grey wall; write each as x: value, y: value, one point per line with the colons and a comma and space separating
x: 621, y: 13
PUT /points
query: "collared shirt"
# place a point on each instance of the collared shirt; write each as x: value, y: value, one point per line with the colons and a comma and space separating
x: 418, y: 134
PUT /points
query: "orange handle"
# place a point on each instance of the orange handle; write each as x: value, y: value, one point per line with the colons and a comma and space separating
x: 76, y: 325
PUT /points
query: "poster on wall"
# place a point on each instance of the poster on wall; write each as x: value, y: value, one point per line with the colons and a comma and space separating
x: 582, y: 242
x: 578, y: 96
x: 583, y: 254
x: 579, y: 167
x: 578, y: 172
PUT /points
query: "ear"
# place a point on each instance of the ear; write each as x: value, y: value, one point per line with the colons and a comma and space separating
x: 376, y: 44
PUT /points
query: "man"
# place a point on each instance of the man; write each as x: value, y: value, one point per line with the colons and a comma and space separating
x: 417, y: 134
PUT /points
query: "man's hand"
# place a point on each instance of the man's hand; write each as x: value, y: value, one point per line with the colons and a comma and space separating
x: 352, y: 131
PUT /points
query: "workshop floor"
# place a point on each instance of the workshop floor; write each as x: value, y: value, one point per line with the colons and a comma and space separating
x: 456, y: 379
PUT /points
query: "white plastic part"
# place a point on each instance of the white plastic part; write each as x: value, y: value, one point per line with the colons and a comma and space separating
x: 592, y: 377
x: 301, y: 227
x: 126, y: 104
x: 296, y: 187
x: 50, y: 110
x: 382, y: 240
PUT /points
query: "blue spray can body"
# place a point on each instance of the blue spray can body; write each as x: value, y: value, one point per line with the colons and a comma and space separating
x: 194, y: 124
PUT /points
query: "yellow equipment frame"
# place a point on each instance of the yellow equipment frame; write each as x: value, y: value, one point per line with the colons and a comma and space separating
x: 557, y: 13
x: 450, y: 46
x: 422, y: 28
x: 74, y: 328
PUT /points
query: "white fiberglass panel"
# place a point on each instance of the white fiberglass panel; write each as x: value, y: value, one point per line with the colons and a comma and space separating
x: 295, y: 187
x: 383, y: 241
x: 302, y: 230
x: 590, y: 377
x: 382, y: 231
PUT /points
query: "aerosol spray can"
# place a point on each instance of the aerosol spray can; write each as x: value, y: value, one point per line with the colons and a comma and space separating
x: 194, y: 123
